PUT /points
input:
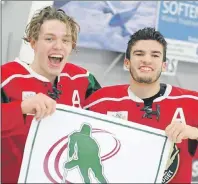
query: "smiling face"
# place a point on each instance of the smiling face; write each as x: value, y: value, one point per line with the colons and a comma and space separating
x: 52, y: 48
x: 146, y: 61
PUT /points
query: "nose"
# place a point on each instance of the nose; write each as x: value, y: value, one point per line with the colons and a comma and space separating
x: 147, y: 59
x: 57, y: 45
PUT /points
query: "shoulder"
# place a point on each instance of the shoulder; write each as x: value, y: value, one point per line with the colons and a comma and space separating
x: 12, y: 69
x: 12, y: 66
x: 74, y: 70
x: 108, y: 93
x: 182, y: 93
x: 116, y: 91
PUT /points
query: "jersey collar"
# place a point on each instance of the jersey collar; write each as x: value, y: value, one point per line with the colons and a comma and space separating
x: 137, y: 99
x: 32, y: 72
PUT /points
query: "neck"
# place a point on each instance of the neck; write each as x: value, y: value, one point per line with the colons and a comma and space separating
x: 143, y: 90
x: 37, y: 69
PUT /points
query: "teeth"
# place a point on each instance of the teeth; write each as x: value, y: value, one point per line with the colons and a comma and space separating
x: 57, y: 56
x: 146, y: 68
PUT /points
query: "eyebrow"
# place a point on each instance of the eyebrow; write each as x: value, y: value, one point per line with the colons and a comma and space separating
x: 51, y: 34
x: 157, y: 52
x: 153, y: 52
x: 137, y: 51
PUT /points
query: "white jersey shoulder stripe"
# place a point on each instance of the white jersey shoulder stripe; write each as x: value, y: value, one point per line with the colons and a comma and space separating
x: 128, y: 98
x: 75, y: 76
x: 13, y: 77
x: 182, y: 96
x: 30, y: 76
x: 106, y: 99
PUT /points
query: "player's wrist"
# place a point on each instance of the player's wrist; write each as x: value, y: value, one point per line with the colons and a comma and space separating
x: 193, y: 133
x: 196, y: 134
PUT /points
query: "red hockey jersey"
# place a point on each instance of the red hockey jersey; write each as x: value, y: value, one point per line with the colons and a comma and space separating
x: 120, y: 102
x: 19, y: 82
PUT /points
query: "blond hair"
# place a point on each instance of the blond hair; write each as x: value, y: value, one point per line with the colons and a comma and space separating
x: 50, y: 13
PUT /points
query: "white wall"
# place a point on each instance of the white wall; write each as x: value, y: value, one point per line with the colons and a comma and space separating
x: 14, y: 19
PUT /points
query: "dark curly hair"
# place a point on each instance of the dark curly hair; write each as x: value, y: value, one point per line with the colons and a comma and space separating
x: 146, y: 34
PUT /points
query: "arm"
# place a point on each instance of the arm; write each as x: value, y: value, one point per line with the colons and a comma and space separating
x: 14, y: 113
x: 179, y: 131
x: 12, y: 117
x: 93, y: 85
x: 192, y: 146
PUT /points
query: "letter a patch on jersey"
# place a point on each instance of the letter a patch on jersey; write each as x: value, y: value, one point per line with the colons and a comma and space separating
x: 179, y: 116
x: 76, y: 99
x: 119, y: 114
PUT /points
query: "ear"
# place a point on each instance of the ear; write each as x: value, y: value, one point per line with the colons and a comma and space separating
x: 127, y: 63
x: 33, y: 44
x: 164, y: 66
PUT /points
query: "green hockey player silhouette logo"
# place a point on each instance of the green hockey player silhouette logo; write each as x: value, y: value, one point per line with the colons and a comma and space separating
x: 84, y: 152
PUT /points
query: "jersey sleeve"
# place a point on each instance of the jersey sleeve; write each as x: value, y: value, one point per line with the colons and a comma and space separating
x: 193, y: 144
x: 93, y: 85
x: 195, y: 109
x: 12, y: 117
x: 91, y: 102
x: 11, y: 113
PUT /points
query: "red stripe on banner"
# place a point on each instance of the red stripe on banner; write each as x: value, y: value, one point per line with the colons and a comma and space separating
x: 46, y: 160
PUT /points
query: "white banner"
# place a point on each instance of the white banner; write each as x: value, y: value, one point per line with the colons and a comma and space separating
x: 79, y: 146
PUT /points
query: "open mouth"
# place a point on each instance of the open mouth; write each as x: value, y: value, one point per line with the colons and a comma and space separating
x: 145, y: 69
x: 55, y: 59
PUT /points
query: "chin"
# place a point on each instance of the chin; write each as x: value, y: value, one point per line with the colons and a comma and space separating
x: 55, y: 73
